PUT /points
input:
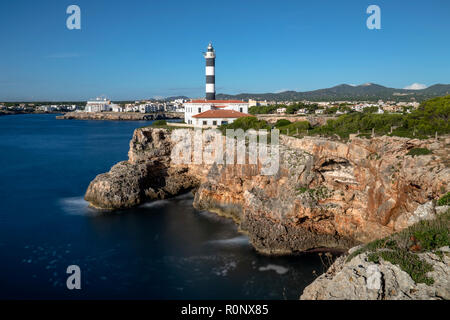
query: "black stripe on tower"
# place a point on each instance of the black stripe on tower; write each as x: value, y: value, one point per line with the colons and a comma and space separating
x: 210, y: 79
x: 210, y: 62
x: 210, y: 96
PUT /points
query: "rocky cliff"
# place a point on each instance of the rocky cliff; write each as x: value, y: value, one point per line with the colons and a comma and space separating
x: 330, y: 194
x: 326, y: 194
x: 147, y: 175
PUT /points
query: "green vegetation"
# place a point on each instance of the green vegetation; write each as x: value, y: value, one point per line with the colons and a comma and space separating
x: 408, y: 262
x: 295, y: 107
x: 164, y: 125
x: 418, y: 152
x: 432, y: 116
x: 245, y: 123
x: 292, y: 128
x: 290, y: 109
x: 444, y: 200
x: 157, y: 123
x: 282, y: 123
x: 331, y: 110
x: 362, y: 122
x: 370, y: 110
x: 318, y: 193
x: 401, y: 248
x: 263, y: 109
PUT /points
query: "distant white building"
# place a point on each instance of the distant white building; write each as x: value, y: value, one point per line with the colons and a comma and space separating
x: 358, y: 108
x: 98, y: 105
x: 47, y: 108
x: 144, y: 108
x: 117, y: 108
x: 319, y: 111
x: 179, y: 108
x: 256, y: 103
x: 281, y: 110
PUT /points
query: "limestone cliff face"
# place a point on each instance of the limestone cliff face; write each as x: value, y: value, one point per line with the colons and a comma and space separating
x: 330, y: 194
x: 326, y: 194
x: 272, y: 210
x: 147, y: 175
x: 376, y: 185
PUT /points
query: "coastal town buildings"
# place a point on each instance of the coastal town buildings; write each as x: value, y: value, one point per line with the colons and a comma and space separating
x: 256, y: 103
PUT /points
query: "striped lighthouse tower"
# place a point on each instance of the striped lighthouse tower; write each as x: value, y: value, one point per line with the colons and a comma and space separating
x: 210, y: 57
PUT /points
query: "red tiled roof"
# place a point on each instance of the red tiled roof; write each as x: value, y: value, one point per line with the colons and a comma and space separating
x: 221, y: 114
x: 215, y: 101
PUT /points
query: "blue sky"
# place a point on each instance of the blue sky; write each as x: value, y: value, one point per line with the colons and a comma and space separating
x: 142, y: 49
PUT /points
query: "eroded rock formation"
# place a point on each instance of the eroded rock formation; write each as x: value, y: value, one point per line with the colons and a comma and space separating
x: 147, y: 175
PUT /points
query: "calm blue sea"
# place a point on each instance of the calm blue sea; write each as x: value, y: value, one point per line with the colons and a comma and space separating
x: 161, y: 250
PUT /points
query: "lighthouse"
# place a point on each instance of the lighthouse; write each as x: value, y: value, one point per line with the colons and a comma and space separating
x: 210, y: 112
x: 210, y: 56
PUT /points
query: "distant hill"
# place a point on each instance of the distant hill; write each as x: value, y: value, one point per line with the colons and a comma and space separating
x: 367, y: 91
x: 176, y: 98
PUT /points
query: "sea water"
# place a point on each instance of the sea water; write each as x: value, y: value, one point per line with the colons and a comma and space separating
x: 160, y: 250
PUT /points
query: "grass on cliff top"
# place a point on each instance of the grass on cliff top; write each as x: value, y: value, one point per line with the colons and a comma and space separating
x: 402, y: 248
x: 444, y: 200
x: 163, y: 124
x: 418, y: 152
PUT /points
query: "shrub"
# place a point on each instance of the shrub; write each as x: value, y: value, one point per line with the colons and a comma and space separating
x: 262, y: 109
x: 418, y: 152
x: 159, y: 123
x: 245, y: 123
x: 302, y: 126
x: 401, y: 248
x: 444, y: 200
x: 282, y: 122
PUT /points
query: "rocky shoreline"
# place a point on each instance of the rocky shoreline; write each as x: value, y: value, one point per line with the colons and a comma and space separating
x: 326, y: 194
x: 117, y: 116
x: 361, y: 279
x: 9, y: 113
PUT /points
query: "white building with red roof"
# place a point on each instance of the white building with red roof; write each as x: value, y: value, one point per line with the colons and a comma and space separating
x: 214, y: 112
x: 209, y: 111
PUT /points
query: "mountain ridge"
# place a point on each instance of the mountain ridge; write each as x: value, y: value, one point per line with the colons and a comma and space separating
x: 366, y: 91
